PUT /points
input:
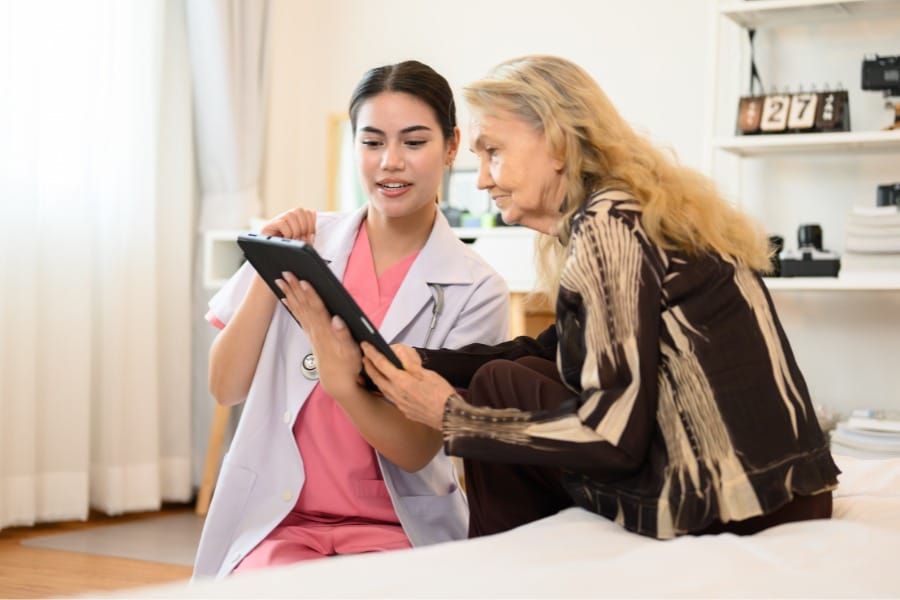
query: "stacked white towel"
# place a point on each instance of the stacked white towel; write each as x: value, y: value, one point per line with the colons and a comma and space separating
x: 868, y: 434
x: 872, y: 241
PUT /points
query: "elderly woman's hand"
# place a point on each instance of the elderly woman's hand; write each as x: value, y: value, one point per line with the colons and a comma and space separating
x: 420, y: 394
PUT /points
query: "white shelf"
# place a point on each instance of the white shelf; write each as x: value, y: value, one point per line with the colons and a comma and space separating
x: 474, y: 233
x: 770, y: 13
x: 221, y: 257
x: 849, y: 283
x: 509, y: 250
x: 806, y: 143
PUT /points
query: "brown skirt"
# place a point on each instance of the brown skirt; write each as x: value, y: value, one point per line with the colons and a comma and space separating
x: 503, y: 496
x: 801, y: 508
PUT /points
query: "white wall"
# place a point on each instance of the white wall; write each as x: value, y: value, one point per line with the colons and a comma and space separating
x: 652, y: 58
x: 636, y: 50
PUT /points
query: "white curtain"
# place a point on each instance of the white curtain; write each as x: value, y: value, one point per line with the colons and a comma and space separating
x: 228, y: 41
x: 95, y: 253
x: 228, y: 44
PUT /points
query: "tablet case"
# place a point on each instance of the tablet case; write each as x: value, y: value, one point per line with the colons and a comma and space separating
x: 272, y: 255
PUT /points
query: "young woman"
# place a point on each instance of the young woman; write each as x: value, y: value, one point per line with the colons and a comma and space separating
x: 319, y: 466
x: 666, y: 397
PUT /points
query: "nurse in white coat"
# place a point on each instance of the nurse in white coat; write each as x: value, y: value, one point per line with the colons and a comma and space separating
x: 265, y: 509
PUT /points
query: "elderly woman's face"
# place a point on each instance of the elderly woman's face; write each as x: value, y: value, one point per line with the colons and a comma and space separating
x: 517, y: 170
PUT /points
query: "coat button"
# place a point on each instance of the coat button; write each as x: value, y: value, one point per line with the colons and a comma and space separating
x: 287, y: 417
x: 286, y: 495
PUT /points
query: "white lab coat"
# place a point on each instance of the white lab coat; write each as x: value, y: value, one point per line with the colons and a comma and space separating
x: 262, y: 473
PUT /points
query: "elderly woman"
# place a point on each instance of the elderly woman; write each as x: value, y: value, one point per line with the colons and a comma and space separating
x: 666, y: 396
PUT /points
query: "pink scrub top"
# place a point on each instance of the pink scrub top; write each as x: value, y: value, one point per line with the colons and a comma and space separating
x: 344, y: 506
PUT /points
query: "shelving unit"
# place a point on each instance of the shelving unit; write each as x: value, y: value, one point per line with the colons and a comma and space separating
x: 806, y: 143
x: 848, y: 284
x: 778, y: 13
x: 844, y: 330
x: 762, y: 14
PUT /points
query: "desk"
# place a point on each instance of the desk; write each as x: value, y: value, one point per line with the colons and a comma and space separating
x: 527, y: 316
x: 510, y: 251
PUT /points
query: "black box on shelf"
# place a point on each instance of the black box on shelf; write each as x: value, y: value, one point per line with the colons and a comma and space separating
x: 810, y: 263
x: 809, y: 259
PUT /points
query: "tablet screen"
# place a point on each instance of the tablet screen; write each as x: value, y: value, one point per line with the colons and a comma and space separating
x: 271, y: 256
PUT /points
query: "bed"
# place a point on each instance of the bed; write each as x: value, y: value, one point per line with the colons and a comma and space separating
x: 578, y: 554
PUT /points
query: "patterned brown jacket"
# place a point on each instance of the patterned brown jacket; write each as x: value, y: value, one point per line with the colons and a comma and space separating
x: 687, y: 403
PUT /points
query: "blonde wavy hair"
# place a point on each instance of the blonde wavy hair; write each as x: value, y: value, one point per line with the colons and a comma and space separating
x: 682, y: 210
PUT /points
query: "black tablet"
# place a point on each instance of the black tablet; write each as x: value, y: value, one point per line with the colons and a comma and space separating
x: 271, y: 256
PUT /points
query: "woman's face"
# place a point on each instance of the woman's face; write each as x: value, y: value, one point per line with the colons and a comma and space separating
x: 517, y: 170
x: 401, y: 153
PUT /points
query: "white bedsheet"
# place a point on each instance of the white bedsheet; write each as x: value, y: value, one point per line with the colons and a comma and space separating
x: 578, y: 554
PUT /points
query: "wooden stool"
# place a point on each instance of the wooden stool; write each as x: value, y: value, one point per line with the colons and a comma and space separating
x: 529, y: 315
x: 220, y: 418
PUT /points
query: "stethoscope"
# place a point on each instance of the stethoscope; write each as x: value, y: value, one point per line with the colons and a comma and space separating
x: 308, y: 364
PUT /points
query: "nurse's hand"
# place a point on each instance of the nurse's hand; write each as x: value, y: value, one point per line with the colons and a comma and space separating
x: 295, y: 224
x: 338, y: 357
x: 419, y: 393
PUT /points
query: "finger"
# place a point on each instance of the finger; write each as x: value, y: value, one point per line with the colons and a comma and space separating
x: 308, y: 295
x: 308, y: 306
x: 290, y: 302
x: 398, y: 378
x: 409, y: 358
x: 303, y: 224
x: 379, y: 360
x: 385, y: 385
x: 292, y: 226
x: 374, y: 369
x: 291, y: 288
x: 288, y: 298
x: 296, y: 299
x: 342, y: 333
x: 274, y: 227
x: 308, y: 218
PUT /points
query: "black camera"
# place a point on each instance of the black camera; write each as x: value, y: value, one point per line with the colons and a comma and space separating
x: 882, y: 73
x: 888, y: 195
x: 809, y: 259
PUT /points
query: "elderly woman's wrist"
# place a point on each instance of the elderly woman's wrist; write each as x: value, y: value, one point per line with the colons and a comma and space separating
x: 423, y: 355
x: 451, y: 405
